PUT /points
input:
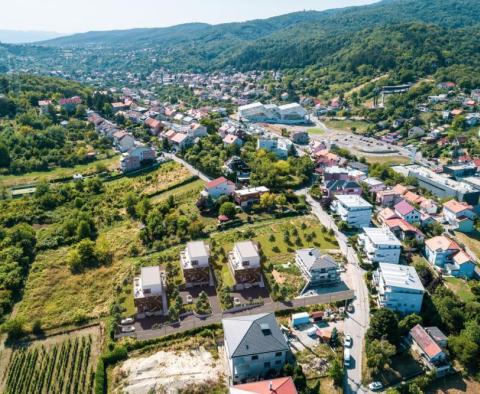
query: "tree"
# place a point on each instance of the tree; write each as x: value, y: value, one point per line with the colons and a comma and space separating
x: 130, y: 203
x: 379, y: 354
x: 173, y: 313
x: 4, y: 156
x: 228, y: 209
x: 267, y: 200
x: 334, y: 341
x: 384, y: 325
x: 408, y: 322
x: 84, y: 230
x: 335, y: 371
x: 14, y: 329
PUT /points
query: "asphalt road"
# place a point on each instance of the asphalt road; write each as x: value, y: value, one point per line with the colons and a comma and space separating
x: 357, y: 323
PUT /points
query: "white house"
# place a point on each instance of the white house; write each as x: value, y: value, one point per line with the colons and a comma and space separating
x: 380, y: 245
x: 374, y: 185
x: 271, y: 113
x: 353, y: 210
x: 220, y: 187
x: 194, y: 261
x: 149, y: 292
x: 254, y: 346
x: 459, y: 215
x: 244, y: 264
x: 399, y: 288
x: 280, y: 146
x: 318, y: 269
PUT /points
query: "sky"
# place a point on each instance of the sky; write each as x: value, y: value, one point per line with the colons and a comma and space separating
x: 71, y: 16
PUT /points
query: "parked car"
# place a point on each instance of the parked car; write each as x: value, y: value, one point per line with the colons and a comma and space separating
x: 346, y: 358
x: 350, y: 308
x: 127, y: 321
x: 128, y: 329
x: 347, y: 342
x: 236, y: 301
x: 189, y: 299
x: 375, y: 386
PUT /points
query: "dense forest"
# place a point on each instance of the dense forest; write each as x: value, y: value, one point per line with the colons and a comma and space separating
x: 35, y: 140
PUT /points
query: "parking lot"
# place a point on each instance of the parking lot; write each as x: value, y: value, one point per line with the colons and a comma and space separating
x: 190, y: 296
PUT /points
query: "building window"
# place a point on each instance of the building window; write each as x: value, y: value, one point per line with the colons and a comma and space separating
x: 266, y: 364
x: 194, y: 262
x: 255, y: 357
x: 278, y: 354
x: 278, y: 362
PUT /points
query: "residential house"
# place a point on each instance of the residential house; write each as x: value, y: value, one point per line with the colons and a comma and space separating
x: 194, y: 261
x: 333, y: 188
x: 416, y: 132
x: 447, y: 256
x: 353, y: 210
x: 429, y: 206
x: 123, y: 141
x: 269, y: 386
x: 231, y: 139
x: 69, y: 104
x: 325, y: 158
x: 44, y: 106
x: 317, y: 146
x: 137, y: 157
x: 154, y: 125
x: 387, y: 198
x: 247, y: 197
x: 180, y: 141
x: 300, y: 137
x: 399, y: 288
x: 459, y: 215
x: 404, y: 230
x: 318, y: 270
x: 432, y: 353
x: 380, y: 245
x: 281, y: 147
x: 374, y: 185
x: 220, y: 187
x: 149, y: 292
x: 244, y: 265
x: 407, y: 212
x: 335, y: 173
x: 255, y: 347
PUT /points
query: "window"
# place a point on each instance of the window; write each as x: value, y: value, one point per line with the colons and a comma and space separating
x: 255, y: 357
x: 266, y: 364
x: 194, y: 262
x: 278, y: 354
x: 246, y: 263
x: 278, y: 362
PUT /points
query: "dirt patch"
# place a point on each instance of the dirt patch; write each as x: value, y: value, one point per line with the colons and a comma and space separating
x: 168, y: 372
x: 279, y: 278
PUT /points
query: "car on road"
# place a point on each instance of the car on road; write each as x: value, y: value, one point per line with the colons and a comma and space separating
x: 128, y: 329
x: 348, y: 342
x: 347, y: 358
x: 375, y: 386
x: 127, y: 321
x: 236, y: 301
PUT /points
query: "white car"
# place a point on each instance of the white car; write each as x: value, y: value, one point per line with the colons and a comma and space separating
x: 236, y: 301
x: 189, y: 299
x: 127, y: 321
x: 347, y: 342
x: 375, y: 386
x: 128, y: 329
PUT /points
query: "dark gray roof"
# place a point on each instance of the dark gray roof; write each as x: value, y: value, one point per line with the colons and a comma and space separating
x: 324, y: 261
x: 255, y: 334
x: 340, y: 184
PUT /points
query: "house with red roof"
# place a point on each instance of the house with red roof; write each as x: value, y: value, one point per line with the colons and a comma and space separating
x: 459, y: 215
x: 154, y: 125
x: 445, y: 255
x: 274, y: 386
x: 407, y: 212
x: 404, y: 230
x: 430, y: 352
x: 220, y: 187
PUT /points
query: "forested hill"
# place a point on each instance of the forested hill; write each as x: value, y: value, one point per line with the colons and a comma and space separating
x: 445, y: 13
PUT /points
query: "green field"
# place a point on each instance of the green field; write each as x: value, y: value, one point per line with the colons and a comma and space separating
x: 390, y: 160
x: 58, y: 173
x: 316, y: 130
x: 347, y: 125
x: 461, y: 288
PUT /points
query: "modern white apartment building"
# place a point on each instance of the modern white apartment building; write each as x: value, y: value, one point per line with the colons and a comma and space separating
x: 399, y: 288
x: 280, y: 146
x: 292, y: 113
x: 353, y: 209
x: 195, y: 265
x: 380, y: 245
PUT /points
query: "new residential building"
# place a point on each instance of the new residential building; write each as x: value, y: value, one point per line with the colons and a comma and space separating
x: 244, y: 264
x: 195, y: 265
x: 319, y: 270
x: 380, y: 245
x: 353, y: 210
x: 149, y: 292
x: 459, y: 215
x: 399, y: 288
x: 255, y: 347
x: 281, y: 147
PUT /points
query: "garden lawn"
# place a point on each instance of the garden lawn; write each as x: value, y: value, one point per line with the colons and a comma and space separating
x: 390, y: 160
x: 347, y: 125
x: 471, y: 241
x: 316, y: 130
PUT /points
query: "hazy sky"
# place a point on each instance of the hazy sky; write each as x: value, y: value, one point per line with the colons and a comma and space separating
x: 68, y: 16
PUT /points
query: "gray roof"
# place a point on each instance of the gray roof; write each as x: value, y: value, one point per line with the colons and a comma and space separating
x: 313, y: 259
x: 255, y: 334
x: 150, y: 276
